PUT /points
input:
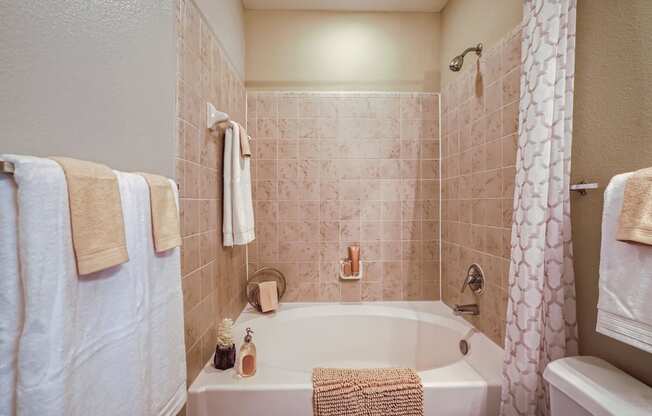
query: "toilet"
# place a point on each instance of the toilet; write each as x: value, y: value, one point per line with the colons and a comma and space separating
x: 590, y: 386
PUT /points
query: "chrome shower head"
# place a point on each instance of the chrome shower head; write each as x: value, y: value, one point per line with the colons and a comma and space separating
x: 458, y: 61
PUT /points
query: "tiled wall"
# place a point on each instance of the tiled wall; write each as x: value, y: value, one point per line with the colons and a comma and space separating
x: 332, y: 169
x: 480, y: 121
x: 213, y: 277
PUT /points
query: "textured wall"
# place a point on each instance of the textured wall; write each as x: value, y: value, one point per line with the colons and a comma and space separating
x: 612, y: 134
x: 92, y: 80
x: 226, y: 18
x: 465, y: 23
x: 332, y: 169
x: 213, y: 277
x: 342, y: 51
x: 480, y: 121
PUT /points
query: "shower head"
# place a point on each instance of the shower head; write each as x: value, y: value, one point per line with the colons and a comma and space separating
x: 458, y: 61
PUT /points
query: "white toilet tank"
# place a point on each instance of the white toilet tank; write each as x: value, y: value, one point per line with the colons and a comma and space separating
x: 562, y: 405
x: 589, y: 386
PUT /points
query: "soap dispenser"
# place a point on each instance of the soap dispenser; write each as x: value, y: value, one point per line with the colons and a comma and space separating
x: 247, y: 357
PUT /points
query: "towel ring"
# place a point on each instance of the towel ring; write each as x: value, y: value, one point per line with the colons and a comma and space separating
x: 266, y: 274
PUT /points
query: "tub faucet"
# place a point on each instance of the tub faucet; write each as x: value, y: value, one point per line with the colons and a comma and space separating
x: 468, y: 309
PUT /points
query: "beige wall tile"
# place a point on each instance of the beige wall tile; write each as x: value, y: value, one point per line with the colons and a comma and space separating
x: 213, y: 277
x: 349, y: 169
x: 479, y: 182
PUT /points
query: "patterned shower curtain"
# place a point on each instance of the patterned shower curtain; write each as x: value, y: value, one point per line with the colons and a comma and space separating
x: 541, y: 324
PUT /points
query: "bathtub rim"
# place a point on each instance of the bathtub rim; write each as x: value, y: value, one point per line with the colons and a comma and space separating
x: 481, y: 367
x: 435, y: 312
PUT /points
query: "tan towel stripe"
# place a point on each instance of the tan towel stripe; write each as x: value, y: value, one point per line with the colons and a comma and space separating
x: 245, y: 147
x: 635, y: 222
x: 98, y: 230
x: 166, y: 229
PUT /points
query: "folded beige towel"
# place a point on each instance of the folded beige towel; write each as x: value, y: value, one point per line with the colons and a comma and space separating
x: 98, y: 230
x: 268, y: 296
x: 635, y: 223
x: 368, y: 392
x: 245, y: 148
x: 165, y: 214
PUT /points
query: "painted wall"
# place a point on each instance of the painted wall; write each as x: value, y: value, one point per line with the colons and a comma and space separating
x: 342, y: 51
x: 465, y: 23
x: 226, y: 19
x: 92, y: 80
x: 612, y: 134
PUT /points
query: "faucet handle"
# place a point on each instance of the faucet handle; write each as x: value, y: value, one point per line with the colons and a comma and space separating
x: 465, y: 284
x: 474, y: 279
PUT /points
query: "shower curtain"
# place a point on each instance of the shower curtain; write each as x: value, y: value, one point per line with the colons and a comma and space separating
x: 541, y: 324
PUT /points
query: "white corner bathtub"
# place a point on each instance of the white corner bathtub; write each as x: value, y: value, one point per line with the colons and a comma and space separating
x: 291, y: 342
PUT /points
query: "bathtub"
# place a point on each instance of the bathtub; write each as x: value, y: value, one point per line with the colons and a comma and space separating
x: 301, y: 336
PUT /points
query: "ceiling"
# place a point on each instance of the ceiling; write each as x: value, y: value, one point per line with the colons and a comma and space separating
x: 348, y: 5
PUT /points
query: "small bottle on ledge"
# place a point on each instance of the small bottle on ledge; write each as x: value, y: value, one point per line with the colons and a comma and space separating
x: 247, y: 360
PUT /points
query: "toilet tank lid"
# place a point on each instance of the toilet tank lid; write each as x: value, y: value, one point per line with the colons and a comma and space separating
x: 599, y: 387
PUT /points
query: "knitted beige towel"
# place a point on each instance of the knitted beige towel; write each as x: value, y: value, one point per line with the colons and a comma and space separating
x: 98, y: 230
x: 367, y: 392
x: 636, y: 215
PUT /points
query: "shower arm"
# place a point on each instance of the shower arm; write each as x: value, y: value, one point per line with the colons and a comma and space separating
x: 458, y: 61
x: 477, y: 49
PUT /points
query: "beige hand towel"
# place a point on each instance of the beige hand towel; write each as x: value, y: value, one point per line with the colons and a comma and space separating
x: 635, y: 223
x: 268, y: 296
x: 165, y: 214
x: 245, y: 148
x: 98, y: 230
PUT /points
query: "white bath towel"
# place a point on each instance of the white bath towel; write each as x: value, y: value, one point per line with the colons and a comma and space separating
x: 11, y: 295
x: 624, y: 307
x: 89, y: 344
x: 167, y: 356
x: 238, y: 224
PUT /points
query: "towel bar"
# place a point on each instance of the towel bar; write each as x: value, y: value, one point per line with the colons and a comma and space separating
x: 582, y: 187
x: 214, y: 117
x: 6, y: 167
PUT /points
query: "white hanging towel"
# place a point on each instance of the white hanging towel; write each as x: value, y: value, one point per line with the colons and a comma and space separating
x: 11, y: 295
x: 167, y: 356
x: 625, y: 289
x: 93, y: 345
x: 238, y: 223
